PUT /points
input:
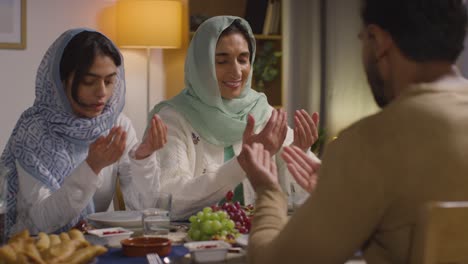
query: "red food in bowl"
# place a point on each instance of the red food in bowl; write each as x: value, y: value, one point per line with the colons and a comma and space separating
x: 113, y: 232
x: 207, y: 246
x: 141, y: 246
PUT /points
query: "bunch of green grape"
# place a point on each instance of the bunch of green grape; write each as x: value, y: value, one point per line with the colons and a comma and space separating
x: 210, y: 225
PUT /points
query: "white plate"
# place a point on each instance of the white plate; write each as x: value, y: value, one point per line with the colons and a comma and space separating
x: 243, y: 240
x: 117, y: 218
x: 112, y: 239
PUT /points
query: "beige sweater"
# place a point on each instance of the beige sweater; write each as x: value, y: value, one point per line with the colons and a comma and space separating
x: 373, y: 180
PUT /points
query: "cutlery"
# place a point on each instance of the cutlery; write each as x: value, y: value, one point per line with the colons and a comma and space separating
x: 154, y: 259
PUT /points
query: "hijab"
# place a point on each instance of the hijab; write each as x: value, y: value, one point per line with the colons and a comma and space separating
x: 217, y: 120
x: 49, y: 141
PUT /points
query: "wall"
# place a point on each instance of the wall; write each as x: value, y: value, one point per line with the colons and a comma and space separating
x: 174, y: 59
x: 349, y: 97
x: 46, y: 20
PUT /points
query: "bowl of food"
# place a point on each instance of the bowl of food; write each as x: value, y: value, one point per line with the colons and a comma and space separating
x: 208, y: 251
x: 66, y: 247
x: 112, y: 235
x: 141, y: 246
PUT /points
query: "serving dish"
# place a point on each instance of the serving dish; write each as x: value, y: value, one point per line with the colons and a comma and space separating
x: 140, y: 246
x: 208, y: 251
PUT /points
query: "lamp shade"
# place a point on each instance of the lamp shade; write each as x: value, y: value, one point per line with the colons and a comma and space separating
x: 149, y: 23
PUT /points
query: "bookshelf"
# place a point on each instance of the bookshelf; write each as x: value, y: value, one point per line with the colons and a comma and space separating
x: 266, y: 25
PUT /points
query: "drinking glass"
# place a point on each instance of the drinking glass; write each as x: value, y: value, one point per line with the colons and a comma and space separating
x: 296, y: 197
x: 156, y: 217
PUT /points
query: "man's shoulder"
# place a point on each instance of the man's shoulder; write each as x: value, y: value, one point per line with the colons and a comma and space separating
x: 366, y: 125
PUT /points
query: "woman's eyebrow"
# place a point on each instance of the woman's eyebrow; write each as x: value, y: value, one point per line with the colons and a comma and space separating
x: 227, y: 54
x: 99, y: 76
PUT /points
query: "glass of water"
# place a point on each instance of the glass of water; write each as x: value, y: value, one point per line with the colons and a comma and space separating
x: 156, y: 218
x: 296, y: 197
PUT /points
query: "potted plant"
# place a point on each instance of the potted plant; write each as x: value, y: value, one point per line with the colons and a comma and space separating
x: 265, y: 68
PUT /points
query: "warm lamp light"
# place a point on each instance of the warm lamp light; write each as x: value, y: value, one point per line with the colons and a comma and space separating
x: 149, y: 24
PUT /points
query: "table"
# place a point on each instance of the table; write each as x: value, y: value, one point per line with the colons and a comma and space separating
x: 116, y: 256
x: 177, y: 256
x: 180, y: 254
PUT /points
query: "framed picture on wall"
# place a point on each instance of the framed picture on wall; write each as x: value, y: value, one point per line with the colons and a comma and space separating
x: 12, y: 24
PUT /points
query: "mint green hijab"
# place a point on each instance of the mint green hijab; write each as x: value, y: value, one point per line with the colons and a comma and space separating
x: 217, y: 120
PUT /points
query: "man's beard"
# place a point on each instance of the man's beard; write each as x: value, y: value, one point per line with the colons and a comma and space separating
x: 376, y: 82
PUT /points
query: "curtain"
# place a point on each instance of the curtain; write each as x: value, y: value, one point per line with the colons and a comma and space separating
x: 301, y: 33
x: 348, y: 96
x: 323, y: 60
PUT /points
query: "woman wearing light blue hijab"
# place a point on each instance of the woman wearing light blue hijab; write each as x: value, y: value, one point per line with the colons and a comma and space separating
x: 66, y: 150
x: 215, y: 113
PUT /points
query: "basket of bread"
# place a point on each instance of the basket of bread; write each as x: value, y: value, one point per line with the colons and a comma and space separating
x: 67, y: 247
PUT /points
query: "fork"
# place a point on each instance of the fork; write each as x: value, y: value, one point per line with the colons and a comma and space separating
x: 154, y: 258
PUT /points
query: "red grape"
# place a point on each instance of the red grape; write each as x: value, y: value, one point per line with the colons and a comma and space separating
x: 229, y: 196
x: 236, y: 212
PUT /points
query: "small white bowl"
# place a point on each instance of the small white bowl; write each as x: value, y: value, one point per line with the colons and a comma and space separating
x: 112, y: 235
x: 208, y: 251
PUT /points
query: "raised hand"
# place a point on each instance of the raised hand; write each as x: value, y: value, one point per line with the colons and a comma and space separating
x: 155, y: 138
x: 106, y: 150
x: 305, y: 130
x: 302, y: 167
x: 258, y: 165
x: 273, y: 134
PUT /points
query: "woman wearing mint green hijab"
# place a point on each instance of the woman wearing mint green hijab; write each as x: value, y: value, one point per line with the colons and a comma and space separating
x: 215, y: 113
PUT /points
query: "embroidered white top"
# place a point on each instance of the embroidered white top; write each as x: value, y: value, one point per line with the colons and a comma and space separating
x: 194, y: 171
x: 39, y: 209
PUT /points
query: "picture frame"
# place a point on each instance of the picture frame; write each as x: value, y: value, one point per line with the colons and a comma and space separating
x: 12, y: 24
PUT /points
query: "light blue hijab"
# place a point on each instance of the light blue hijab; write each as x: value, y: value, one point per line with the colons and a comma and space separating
x: 217, y: 120
x: 49, y: 141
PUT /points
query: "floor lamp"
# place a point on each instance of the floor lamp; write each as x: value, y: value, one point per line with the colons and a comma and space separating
x: 149, y: 24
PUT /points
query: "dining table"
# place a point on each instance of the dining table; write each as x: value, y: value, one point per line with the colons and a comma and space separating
x: 179, y: 253
x: 116, y: 256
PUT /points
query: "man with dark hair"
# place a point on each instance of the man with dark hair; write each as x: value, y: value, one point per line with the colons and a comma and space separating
x: 381, y: 170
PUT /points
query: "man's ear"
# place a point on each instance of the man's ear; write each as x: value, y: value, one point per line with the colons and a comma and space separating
x: 381, y: 40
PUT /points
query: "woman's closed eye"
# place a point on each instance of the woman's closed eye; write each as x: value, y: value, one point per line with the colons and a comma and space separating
x: 111, y: 80
x: 89, y: 81
x: 243, y: 60
x: 240, y: 60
